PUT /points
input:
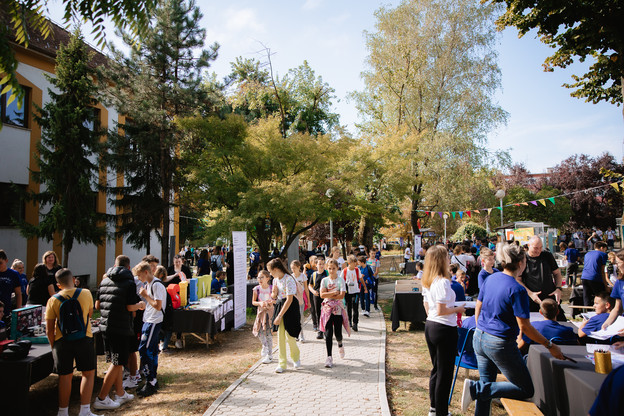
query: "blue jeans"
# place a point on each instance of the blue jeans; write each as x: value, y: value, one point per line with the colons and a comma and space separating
x: 364, y: 300
x: 503, y: 354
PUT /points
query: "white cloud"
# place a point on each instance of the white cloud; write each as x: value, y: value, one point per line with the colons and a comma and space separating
x: 311, y: 4
x: 243, y: 20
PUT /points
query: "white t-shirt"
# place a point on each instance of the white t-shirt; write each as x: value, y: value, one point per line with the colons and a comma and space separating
x: 462, y: 261
x: 610, y: 234
x: 440, y: 292
x: 351, y: 278
x: 340, y: 261
x: 408, y: 254
x: 158, y: 292
x: 286, y: 286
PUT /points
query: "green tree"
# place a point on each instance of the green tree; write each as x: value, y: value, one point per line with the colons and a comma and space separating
x: 159, y: 82
x: 249, y: 177
x: 20, y: 19
x: 68, y: 154
x: 431, y: 77
x: 577, y: 29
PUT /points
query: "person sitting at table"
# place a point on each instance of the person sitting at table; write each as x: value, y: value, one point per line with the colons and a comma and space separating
x: 218, y: 282
x: 419, y: 270
x: 501, y: 311
x: 617, y: 293
x: 603, y: 304
x: 460, y: 293
x: 549, y: 327
x: 487, y: 265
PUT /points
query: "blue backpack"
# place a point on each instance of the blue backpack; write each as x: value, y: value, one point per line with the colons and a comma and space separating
x: 71, y: 322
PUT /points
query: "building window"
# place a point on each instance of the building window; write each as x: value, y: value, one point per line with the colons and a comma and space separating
x: 95, y: 121
x: 15, y: 113
x: 12, y: 207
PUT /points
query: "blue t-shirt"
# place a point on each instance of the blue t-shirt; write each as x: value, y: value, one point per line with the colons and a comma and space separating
x: 595, y: 323
x: 593, y: 265
x: 503, y: 300
x: 9, y: 280
x: 367, y: 274
x: 571, y: 254
x: 483, y: 274
x: 610, y: 400
x: 216, y: 285
x: 460, y: 295
x: 550, y: 329
x: 24, y: 284
x: 618, y: 290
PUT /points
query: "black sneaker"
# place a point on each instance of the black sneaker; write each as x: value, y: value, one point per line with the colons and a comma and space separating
x: 147, y: 390
x: 319, y: 335
x: 355, y: 328
x: 376, y: 308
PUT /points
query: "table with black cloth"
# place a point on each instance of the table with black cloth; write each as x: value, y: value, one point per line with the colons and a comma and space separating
x: 17, y: 376
x: 408, y: 307
x: 561, y: 386
x: 200, y: 321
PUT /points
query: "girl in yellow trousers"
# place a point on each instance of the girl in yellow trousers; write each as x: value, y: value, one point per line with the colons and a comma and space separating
x: 287, y: 321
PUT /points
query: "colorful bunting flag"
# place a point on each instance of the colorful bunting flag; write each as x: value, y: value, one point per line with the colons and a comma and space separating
x: 534, y: 203
x: 476, y: 211
x: 453, y: 213
x: 489, y: 210
x: 525, y: 204
x: 552, y: 199
x: 541, y: 201
x: 468, y: 212
x: 616, y: 186
x: 440, y: 214
x: 461, y: 214
x: 517, y: 205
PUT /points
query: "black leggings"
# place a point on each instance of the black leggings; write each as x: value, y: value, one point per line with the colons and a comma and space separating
x: 352, y: 308
x: 315, y: 311
x: 334, y: 325
x: 442, y: 344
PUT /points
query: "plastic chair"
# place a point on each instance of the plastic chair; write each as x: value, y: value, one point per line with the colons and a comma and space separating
x: 464, y: 347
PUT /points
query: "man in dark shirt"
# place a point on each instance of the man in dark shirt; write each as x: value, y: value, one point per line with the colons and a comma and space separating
x: 542, y: 277
x: 314, y: 284
x: 572, y: 256
x: 9, y: 284
x: 593, y: 277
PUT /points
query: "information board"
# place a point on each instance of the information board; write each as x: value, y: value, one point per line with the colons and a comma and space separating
x: 239, y: 240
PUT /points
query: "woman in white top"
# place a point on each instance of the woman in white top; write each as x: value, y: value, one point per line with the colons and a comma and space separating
x: 440, y: 328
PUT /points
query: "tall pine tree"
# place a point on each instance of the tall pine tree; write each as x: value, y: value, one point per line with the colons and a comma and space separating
x: 68, y: 154
x: 158, y: 82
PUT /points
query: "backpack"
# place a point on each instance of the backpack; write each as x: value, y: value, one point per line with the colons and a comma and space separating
x: 167, y: 308
x: 214, y: 266
x: 71, y: 322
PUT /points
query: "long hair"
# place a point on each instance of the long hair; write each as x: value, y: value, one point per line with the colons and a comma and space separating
x: 46, y: 254
x: 436, y: 265
x: 277, y: 264
x: 40, y: 271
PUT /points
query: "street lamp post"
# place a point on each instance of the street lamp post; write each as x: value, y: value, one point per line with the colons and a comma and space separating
x: 329, y: 193
x: 500, y: 194
x: 445, y: 216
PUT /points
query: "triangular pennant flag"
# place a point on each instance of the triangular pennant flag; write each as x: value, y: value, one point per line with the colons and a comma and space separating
x: 468, y: 212
x: 534, y: 203
x: 476, y: 211
x: 525, y: 204
x: 552, y: 200
x: 615, y: 185
x: 489, y: 210
x: 453, y: 213
x: 517, y: 205
x: 499, y: 208
x: 541, y: 201
x: 440, y: 214
x: 433, y: 214
x: 461, y: 214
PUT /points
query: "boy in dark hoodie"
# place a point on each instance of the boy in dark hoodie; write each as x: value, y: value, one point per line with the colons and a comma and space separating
x: 116, y: 299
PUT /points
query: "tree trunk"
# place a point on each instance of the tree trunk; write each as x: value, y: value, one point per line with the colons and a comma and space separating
x: 415, y: 205
x: 65, y: 262
x: 365, y: 232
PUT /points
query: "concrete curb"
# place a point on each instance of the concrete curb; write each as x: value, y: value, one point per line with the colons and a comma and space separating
x: 383, y: 395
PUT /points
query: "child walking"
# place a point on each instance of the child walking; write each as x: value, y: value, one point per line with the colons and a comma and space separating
x: 262, y: 326
x: 354, y: 281
x: 333, y: 313
x: 302, y: 289
x: 367, y: 291
x: 286, y: 320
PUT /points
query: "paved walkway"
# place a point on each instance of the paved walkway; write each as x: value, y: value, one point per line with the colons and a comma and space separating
x: 354, y: 386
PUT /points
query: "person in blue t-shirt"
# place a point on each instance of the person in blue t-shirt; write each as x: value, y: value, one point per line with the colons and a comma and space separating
x: 9, y: 284
x: 593, y: 276
x: 460, y: 293
x: 217, y: 283
x: 549, y: 327
x: 502, y: 310
x: 369, y: 278
x: 618, y: 292
x: 603, y: 304
x: 572, y: 255
x: 487, y: 264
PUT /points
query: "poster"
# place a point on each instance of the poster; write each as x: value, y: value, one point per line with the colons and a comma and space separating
x: 417, y: 245
x: 523, y: 234
x: 239, y: 240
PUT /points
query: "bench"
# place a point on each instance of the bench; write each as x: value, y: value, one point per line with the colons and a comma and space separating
x: 520, y: 408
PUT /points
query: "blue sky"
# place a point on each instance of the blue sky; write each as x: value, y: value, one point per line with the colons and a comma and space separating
x: 545, y: 125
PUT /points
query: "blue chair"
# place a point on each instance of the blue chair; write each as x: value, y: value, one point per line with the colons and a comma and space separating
x: 464, y: 348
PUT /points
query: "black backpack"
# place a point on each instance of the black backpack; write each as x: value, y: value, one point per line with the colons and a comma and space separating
x: 71, y: 322
x: 167, y: 309
x: 214, y: 266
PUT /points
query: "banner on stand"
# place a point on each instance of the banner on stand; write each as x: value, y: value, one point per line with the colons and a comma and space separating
x: 239, y: 241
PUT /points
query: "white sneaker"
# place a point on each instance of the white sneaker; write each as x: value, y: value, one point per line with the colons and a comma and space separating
x: 131, y: 383
x: 367, y: 313
x: 267, y: 360
x: 432, y: 411
x: 279, y: 369
x: 297, y: 365
x: 87, y: 413
x: 466, y: 398
x: 341, y: 352
x: 124, y: 399
x: 301, y: 338
x: 329, y: 362
x: 105, y: 404
x: 178, y: 344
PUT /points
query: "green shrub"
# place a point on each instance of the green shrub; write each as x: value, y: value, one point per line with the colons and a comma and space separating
x: 467, y: 230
